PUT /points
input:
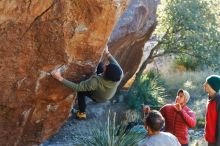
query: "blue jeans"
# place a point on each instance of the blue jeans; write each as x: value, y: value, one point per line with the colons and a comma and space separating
x: 184, y: 144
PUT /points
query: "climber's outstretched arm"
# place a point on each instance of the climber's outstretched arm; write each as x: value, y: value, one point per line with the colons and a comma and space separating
x: 111, y: 59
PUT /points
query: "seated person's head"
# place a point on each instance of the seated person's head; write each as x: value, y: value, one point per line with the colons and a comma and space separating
x: 112, y: 72
x: 154, y: 120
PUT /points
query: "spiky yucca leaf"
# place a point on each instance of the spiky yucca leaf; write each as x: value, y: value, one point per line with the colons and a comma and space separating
x: 109, y: 134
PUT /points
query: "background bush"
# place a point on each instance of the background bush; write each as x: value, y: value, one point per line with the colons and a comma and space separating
x: 148, y: 90
x: 187, y: 62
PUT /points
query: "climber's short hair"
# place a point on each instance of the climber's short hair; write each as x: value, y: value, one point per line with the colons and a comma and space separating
x: 112, y: 72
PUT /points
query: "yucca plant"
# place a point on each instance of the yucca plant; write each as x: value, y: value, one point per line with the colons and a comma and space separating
x: 110, y: 134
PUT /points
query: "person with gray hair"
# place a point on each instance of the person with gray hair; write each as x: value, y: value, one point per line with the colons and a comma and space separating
x: 153, y: 123
x: 179, y: 117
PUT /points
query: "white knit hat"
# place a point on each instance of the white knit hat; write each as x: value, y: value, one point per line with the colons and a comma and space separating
x: 186, y: 94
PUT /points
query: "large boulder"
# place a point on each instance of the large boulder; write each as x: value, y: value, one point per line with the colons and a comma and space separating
x: 131, y: 33
x: 36, y: 37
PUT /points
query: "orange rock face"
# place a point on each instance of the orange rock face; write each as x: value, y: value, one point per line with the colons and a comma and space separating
x: 131, y: 33
x: 37, y: 36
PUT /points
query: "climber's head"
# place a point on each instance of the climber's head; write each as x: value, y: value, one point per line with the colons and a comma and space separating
x: 112, y: 72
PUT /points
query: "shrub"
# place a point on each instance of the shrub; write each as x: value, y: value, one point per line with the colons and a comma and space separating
x: 148, y: 89
x: 189, y: 63
x: 200, y: 123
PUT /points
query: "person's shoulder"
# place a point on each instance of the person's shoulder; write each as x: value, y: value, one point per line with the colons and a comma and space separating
x: 171, y: 137
x: 94, y: 79
x: 167, y: 106
x: 101, y: 80
x: 167, y: 133
x: 95, y: 76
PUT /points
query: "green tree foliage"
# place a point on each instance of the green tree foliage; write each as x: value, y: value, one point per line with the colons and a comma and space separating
x: 148, y: 89
x: 187, y: 27
x: 189, y: 63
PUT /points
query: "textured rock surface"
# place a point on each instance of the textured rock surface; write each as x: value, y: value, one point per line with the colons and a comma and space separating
x: 37, y: 36
x: 132, y: 31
